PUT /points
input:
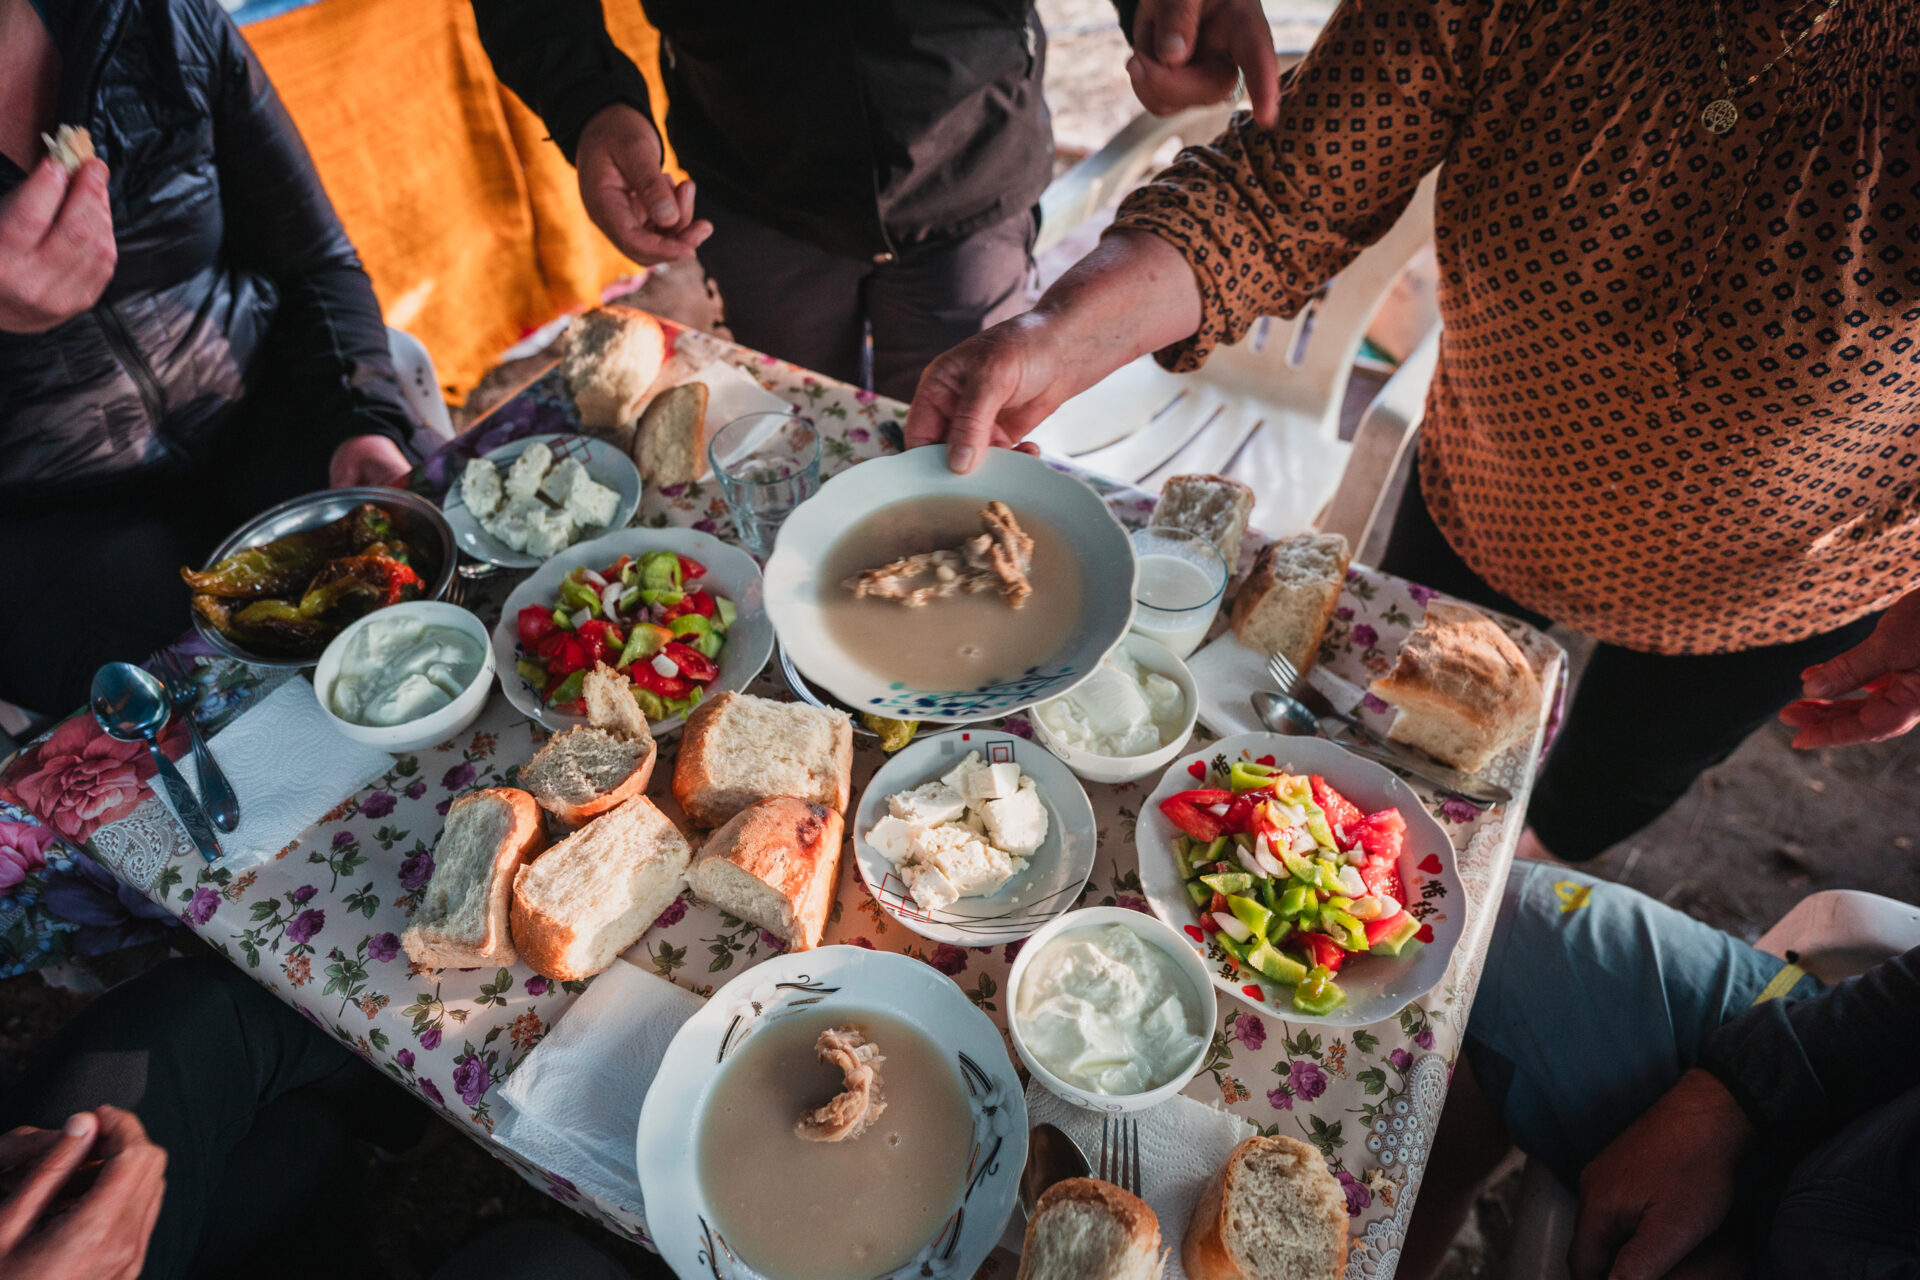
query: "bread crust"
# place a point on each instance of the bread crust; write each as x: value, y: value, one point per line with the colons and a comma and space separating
x: 1204, y: 1253
x: 607, y: 393
x: 1174, y: 494
x: 573, y: 815
x: 526, y: 837
x: 793, y: 847
x: 681, y: 460
x: 1458, y: 666
x: 543, y: 937
x: 1129, y: 1212
x: 692, y: 778
x: 1261, y: 580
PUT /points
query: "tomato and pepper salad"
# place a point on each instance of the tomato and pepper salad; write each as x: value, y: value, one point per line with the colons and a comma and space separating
x: 1289, y: 878
x: 649, y: 618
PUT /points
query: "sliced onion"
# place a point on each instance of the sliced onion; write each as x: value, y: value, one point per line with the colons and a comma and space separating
x: 1233, y: 926
x: 610, y: 593
x: 665, y: 666
x: 1368, y: 908
x: 1350, y: 881
x: 592, y: 579
x: 1300, y: 840
x: 1263, y: 854
x: 1217, y: 810
x: 1247, y: 859
x: 1356, y: 856
x: 1287, y: 815
x: 582, y: 617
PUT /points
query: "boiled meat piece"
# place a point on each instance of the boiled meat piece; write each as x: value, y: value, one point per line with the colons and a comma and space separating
x: 995, y: 560
x: 859, y: 1103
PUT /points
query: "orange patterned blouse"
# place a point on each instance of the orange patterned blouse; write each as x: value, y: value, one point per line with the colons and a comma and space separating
x: 1678, y: 399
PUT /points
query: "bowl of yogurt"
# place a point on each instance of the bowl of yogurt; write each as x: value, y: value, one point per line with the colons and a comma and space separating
x: 1127, y: 720
x: 1110, y: 1009
x: 407, y: 676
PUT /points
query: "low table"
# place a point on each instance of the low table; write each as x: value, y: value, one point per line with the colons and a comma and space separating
x: 319, y: 922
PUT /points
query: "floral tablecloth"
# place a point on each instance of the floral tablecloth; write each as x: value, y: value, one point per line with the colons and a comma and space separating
x: 319, y: 922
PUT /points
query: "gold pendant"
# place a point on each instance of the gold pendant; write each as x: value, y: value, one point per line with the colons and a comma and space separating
x: 1720, y: 116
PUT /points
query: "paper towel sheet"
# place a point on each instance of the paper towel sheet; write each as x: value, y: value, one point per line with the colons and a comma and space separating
x: 1182, y: 1144
x: 288, y: 766
x: 575, y: 1100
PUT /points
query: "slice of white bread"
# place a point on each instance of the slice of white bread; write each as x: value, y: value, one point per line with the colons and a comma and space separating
x: 671, y: 445
x: 1465, y: 690
x: 591, y: 896
x: 774, y: 864
x: 1272, y: 1213
x: 461, y: 922
x: 70, y: 146
x: 591, y: 768
x: 739, y: 748
x: 613, y: 355
x: 1214, y: 507
x: 1289, y: 596
x: 1084, y: 1229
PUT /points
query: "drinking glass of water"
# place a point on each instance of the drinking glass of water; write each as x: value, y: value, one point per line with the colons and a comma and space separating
x: 1182, y: 577
x: 767, y: 464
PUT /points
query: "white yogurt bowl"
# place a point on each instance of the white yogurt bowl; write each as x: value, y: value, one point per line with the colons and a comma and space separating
x: 435, y: 726
x: 1155, y: 934
x: 1152, y: 656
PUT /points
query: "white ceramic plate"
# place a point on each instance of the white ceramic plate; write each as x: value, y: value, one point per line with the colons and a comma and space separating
x: 604, y: 462
x: 795, y: 590
x: 1054, y: 876
x: 731, y: 572
x: 666, y: 1149
x: 1377, y: 987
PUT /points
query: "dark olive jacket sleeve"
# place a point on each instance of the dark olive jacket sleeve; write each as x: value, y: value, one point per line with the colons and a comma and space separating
x: 329, y: 341
x: 1803, y: 1068
x: 557, y: 58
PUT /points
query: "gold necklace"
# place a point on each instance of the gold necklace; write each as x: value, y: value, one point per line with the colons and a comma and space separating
x: 1721, y: 115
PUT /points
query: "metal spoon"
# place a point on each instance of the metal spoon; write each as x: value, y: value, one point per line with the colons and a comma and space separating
x: 1290, y: 716
x: 1285, y: 715
x: 1051, y: 1157
x: 131, y: 705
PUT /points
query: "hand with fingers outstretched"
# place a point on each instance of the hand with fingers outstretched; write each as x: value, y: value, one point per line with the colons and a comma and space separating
x: 1189, y: 53
x: 628, y: 193
x: 86, y: 1198
x: 1885, y: 667
x: 1133, y: 294
x: 56, y: 246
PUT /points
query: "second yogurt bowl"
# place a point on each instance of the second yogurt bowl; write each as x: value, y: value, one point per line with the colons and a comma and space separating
x: 1152, y: 656
x: 437, y: 725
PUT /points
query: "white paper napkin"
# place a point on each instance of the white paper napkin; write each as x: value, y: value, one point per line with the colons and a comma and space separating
x: 1182, y: 1144
x: 575, y: 1100
x: 288, y: 766
x: 732, y: 393
x: 1226, y: 673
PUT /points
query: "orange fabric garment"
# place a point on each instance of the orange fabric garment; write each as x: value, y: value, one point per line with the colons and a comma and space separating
x: 468, y: 220
x: 1677, y: 403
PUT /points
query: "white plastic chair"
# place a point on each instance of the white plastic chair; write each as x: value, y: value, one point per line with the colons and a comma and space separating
x: 1266, y: 410
x: 420, y: 385
x: 1832, y: 935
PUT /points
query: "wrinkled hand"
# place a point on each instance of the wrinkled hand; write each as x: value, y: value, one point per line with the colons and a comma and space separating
x: 1663, y: 1187
x: 627, y: 193
x: 1886, y: 665
x: 990, y: 390
x: 56, y: 246
x: 53, y: 1229
x: 1188, y: 53
x: 368, y: 460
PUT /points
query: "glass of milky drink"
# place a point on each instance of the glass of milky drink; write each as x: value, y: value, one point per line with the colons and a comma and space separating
x: 767, y: 464
x: 1182, y: 577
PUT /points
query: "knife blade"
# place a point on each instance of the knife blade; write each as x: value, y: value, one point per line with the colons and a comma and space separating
x: 1356, y: 737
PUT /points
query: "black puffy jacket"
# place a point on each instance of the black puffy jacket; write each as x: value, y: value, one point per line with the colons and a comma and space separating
x: 228, y: 250
x: 863, y: 126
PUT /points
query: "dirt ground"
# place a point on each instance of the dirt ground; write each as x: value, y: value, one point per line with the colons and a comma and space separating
x: 1755, y: 835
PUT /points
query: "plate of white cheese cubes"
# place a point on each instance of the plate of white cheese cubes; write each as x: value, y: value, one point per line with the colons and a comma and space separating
x: 531, y: 499
x: 974, y: 837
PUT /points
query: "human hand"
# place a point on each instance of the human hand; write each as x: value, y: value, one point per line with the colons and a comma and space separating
x: 368, y: 460
x: 628, y: 195
x: 1188, y: 53
x: 56, y: 246
x: 1663, y: 1187
x: 1886, y: 665
x: 101, y: 1230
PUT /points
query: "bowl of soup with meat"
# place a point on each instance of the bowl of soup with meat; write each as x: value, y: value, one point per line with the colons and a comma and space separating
x: 917, y: 594
x: 839, y: 1114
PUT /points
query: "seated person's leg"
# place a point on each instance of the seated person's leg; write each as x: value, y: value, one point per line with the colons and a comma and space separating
x: 1594, y: 1000
x: 1850, y: 1206
x: 532, y: 1250
x: 196, y: 1050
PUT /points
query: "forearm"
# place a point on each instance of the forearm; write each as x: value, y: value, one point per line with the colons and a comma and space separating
x: 558, y: 59
x: 1133, y: 295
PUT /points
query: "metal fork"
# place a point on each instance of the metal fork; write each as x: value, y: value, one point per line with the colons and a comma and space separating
x: 1120, y: 1152
x: 216, y: 792
x: 1291, y: 683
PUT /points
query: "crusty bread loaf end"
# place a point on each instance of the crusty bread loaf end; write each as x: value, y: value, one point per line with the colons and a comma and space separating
x: 1084, y: 1229
x: 775, y: 864
x: 737, y: 749
x: 1273, y: 1212
x: 461, y: 921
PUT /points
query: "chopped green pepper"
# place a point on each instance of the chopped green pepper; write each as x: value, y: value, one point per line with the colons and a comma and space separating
x: 660, y: 571
x: 710, y: 644
x: 1200, y: 894
x: 1318, y: 993
x: 723, y: 613
x: 532, y: 672
x: 1247, y: 776
x: 651, y: 703
x: 1293, y: 900
x: 1250, y: 913
x: 1228, y: 881
x: 568, y: 690
x: 578, y: 595
x: 1274, y: 966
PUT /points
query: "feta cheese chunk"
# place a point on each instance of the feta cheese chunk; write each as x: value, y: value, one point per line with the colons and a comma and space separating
x: 1017, y: 825
x: 512, y: 522
x: 890, y: 836
x: 977, y: 781
x: 927, y: 806
x: 528, y: 470
x: 929, y: 888
x: 549, y: 532
x: 561, y: 480
x: 480, y: 488
x: 972, y: 866
x: 591, y: 503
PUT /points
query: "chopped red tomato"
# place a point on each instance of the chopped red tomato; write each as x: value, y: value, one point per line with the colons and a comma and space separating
x: 1378, y: 929
x: 1381, y: 834
x: 691, y: 569
x: 693, y: 664
x: 602, y: 637
x: 565, y: 653
x: 1382, y: 878
x: 1341, y: 812
x: 1320, y: 949
x: 668, y: 687
x: 535, y: 623
x: 1193, y: 820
